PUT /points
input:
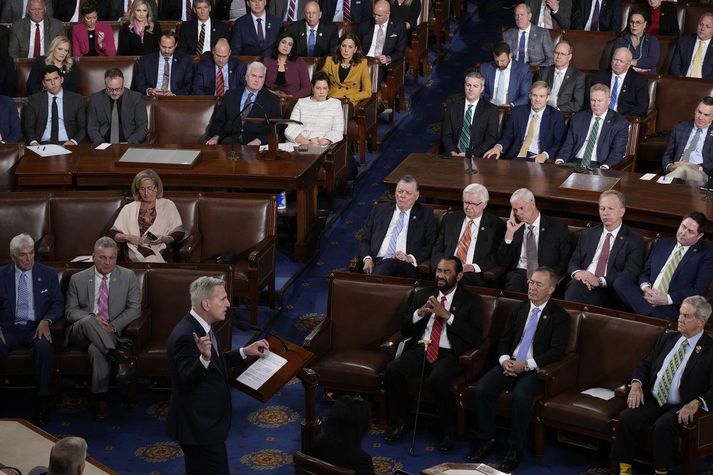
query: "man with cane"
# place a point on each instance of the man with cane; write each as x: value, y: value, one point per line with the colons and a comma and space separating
x: 449, y: 317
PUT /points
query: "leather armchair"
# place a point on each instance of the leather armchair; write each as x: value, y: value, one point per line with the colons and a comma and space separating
x: 308, y: 465
x: 24, y: 213
x: 91, y: 71
x: 171, y: 114
x: 10, y: 155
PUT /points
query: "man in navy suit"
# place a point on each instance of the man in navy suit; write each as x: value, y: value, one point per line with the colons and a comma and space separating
x: 251, y: 100
x: 530, y: 41
x: 324, y: 33
x: 201, y: 24
x: 10, y: 130
x: 347, y: 11
x: 596, y: 137
x: 533, y: 132
x: 155, y: 79
x: 199, y: 412
x: 398, y: 236
x: 30, y: 301
x: 677, y: 267
x: 692, y: 58
x: 668, y: 406
x: 256, y: 32
x: 689, y: 152
x: 604, y: 254
x: 507, y: 82
x: 534, y: 336
x: 392, y: 31
x: 629, y: 89
x: 609, y: 18
x: 219, y: 63
x: 470, y: 123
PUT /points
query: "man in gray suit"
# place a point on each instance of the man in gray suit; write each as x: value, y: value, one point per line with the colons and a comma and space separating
x: 23, y: 42
x: 529, y: 43
x: 101, y: 302
x: 551, y: 14
x: 566, y: 83
x: 127, y: 124
x: 14, y: 10
x: 54, y: 116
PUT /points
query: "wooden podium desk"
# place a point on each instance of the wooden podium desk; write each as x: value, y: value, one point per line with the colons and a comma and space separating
x: 88, y: 168
x: 648, y: 204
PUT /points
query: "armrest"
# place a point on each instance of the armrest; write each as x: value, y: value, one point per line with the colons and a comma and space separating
x: 473, y: 360
x: 318, y: 339
x: 190, y: 243
x: 390, y: 344
x: 138, y: 331
x: 365, y: 106
x: 626, y: 164
x: 559, y: 376
x: 494, y: 273
x: 424, y: 269
x: 262, y: 257
x: 57, y: 328
x: 702, y: 424
x: 45, y: 247
x: 622, y: 391
x: 356, y: 265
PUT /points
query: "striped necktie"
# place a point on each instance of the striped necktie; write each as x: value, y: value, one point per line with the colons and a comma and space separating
x: 663, y: 388
x: 669, y: 270
x: 391, y: 250
x: 464, y: 243
x: 22, y: 312
x: 436, y: 330
x: 464, y: 139
x: 591, y: 143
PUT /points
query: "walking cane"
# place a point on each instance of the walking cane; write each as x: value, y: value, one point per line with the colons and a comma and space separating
x: 425, y: 344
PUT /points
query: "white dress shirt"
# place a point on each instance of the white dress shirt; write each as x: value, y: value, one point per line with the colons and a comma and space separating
x: 206, y: 42
x: 693, y: 55
x: 506, y: 83
x: 47, y: 134
x: 557, y: 80
x: 159, y: 74
x: 401, y: 240
x: 618, y: 90
x: 97, y: 285
x: 527, y: 43
x: 372, y: 49
x: 588, y: 25
x: 522, y: 262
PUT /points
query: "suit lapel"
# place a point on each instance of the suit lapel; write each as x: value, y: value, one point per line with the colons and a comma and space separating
x: 618, y: 245
x: 698, y: 353
x: 90, y: 288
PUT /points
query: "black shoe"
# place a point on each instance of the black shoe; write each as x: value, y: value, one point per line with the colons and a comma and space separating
x: 447, y: 443
x: 512, y: 459
x: 481, y: 451
x: 42, y: 412
x: 394, y: 432
x: 125, y: 371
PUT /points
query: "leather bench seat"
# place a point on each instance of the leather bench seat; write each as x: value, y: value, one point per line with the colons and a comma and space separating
x: 363, y: 367
x: 590, y: 411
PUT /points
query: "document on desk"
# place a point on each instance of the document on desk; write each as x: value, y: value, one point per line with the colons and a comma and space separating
x: 103, y: 146
x: 48, y: 150
x: 284, y: 146
x: 601, y: 393
x: 648, y: 176
x: 665, y: 180
x: 261, y: 370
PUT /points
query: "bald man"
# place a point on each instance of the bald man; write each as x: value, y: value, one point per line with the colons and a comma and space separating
x: 220, y: 63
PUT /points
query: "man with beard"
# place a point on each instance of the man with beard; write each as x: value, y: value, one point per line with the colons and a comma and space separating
x: 448, y: 316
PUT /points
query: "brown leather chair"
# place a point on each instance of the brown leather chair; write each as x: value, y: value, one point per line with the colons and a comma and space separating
x: 25, y: 213
x: 693, y: 13
x: 308, y: 465
x: 171, y: 114
x: 417, y: 50
x: 10, y: 155
x: 91, y: 71
x: 187, y: 205
x: 362, y: 125
x: 391, y: 90
x: 22, y: 73
x: 667, y: 46
x: 440, y: 23
x: 593, y: 49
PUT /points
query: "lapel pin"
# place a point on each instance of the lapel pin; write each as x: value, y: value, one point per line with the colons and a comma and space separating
x: 453, y: 309
x: 319, y: 34
x: 413, y: 218
x: 698, y: 349
x: 542, y: 229
x: 544, y: 317
x: 482, y: 228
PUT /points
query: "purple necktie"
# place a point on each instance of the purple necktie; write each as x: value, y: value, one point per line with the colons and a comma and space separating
x: 595, y: 17
x: 103, y: 309
x: 260, y: 34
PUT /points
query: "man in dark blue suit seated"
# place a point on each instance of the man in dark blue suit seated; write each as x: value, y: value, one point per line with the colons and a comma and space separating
x: 347, y: 11
x: 167, y: 72
x: 251, y: 100
x: 10, y: 129
x: 393, y: 36
x: 596, y: 137
x: 256, y: 32
x: 30, y: 302
x: 689, y: 152
x: 604, y: 254
x: 202, y: 22
x: 677, y: 267
x: 217, y: 69
x: 629, y: 89
x: 533, y: 132
x: 507, y: 82
x: 398, y: 236
x: 693, y: 58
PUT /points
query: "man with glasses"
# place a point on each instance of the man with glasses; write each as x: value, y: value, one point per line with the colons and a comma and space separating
x: 471, y: 235
x: 116, y: 114
x: 566, y: 83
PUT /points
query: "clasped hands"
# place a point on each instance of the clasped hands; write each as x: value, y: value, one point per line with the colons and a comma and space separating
x: 432, y: 305
x: 512, y: 367
x: 103, y: 322
x: 654, y: 297
x: 587, y: 278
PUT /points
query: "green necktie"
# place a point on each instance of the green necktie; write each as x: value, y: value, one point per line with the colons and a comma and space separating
x: 669, y: 270
x: 591, y: 143
x: 664, y: 386
x: 464, y: 140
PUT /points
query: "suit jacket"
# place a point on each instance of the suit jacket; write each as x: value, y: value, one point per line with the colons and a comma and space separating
x: 683, y: 55
x: 625, y: 258
x: 80, y: 40
x: 34, y: 80
x: 540, y: 50
x: 677, y: 144
x: 64, y: 9
x: 115, y: 9
x: 519, y: 87
x: 668, y: 19
x: 297, y: 82
x: 243, y: 41
x: 483, y: 128
x: 325, y: 40
x: 9, y: 121
x: 551, y: 131
x: 204, y: 76
x: 609, y: 15
x: 134, y: 120
x: 633, y: 96
x: 356, y: 86
x: 188, y: 36
x: 278, y: 8
x: 226, y: 118
x: 7, y: 75
x: 570, y: 97
x: 697, y: 377
x: 181, y: 73
x: 408, y: 13
x: 692, y: 275
x: 47, y: 296
x: 200, y: 410
x: 490, y: 233
x: 37, y: 114
x: 13, y: 10
x: 421, y: 231
x: 552, y: 246
x: 19, y: 45
x: 130, y: 44
x: 172, y: 10
x: 550, y: 338
x: 394, y: 41
x: 361, y: 10
x: 611, y: 145
x: 466, y: 330
x: 560, y: 20
x: 124, y: 297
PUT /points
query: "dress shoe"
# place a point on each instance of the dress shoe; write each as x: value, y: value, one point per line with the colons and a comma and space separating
x: 447, y: 443
x: 512, y: 459
x: 124, y: 372
x: 101, y: 410
x: 481, y: 451
x: 394, y: 432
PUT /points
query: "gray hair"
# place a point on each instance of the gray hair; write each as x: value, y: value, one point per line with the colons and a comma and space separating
x: 67, y: 456
x: 105, y: 242
x: 147, y: 174
x: 625, y: 50
x: 479, y: 189
x: 475, y: 75
x: 254, y: 65
x: 409, y: 179
x: 21, y: 241
x: 202, y: 288
x: 522, y: 194
x: 701, y: 307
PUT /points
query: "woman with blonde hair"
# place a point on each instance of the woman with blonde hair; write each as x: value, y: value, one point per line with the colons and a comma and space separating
x: 348, y: 70
x: 59, y: 54
x: 140, y: 35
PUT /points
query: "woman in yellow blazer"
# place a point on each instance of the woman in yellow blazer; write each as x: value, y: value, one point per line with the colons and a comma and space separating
x: 348, y: 70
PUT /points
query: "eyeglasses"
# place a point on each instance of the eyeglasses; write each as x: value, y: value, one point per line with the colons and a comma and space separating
x: 114, y: 89
x: 560, y: 53
x: 148, y: 189
x: 470, y: 203
x: 636, y: 22
x: 534, y: 283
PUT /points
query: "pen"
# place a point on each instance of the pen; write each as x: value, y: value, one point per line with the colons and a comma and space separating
x: 43, y: 148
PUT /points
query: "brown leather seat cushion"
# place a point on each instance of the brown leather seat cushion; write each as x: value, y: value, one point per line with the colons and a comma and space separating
x: 588, y: 411
x: 363, y: 367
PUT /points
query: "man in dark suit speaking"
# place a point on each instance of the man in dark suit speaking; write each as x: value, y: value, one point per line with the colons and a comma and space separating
x: 200, y: 409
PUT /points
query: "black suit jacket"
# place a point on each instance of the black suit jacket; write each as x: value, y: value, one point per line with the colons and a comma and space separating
x: 677, y: 144
x: 325, y: 41
x: 226, y: 118
x: 697, y: 378
x: 466, y: 330
x: 552, y: 246
x: 609, y: 15
x: 483, y: 128
x: 625, y: 258
x: 668, y: 20
x: 490, y: 233
x: 633, y: 95
x: 181, y: 73
x: 421, y: 230
x: 188, y: 37
x: 394, y: 42
x: 64, y: 9
x: 550, y: 338
x: 200, y: 410
x: 37, y: 114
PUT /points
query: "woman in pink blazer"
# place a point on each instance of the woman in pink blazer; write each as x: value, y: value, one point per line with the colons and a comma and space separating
x: 92, y: 38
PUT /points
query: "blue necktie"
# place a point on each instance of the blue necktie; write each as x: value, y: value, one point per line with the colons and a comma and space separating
x: 521, y: 48
x: 528, y: 335
x: 23, y: 301
x: 391, y: 250
x: 614, y: 93
x: 310, y: 43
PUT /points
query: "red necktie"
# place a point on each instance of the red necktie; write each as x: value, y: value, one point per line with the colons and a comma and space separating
x: 219, y: 83
x: 432, y: 353
x: 603, y: 258
x: 38, y: 34
x: 291, y: 10
x: 346, y: 8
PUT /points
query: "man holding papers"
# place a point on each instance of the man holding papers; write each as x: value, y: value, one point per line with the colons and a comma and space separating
x: 200, y: 410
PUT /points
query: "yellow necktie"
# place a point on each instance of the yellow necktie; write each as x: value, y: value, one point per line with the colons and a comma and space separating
x: 529, y: 136
x: 696, y: 69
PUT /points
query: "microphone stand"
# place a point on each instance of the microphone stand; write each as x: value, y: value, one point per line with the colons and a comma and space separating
x: 470, y: 167
x: 246, y: 326
x: 425, y: 344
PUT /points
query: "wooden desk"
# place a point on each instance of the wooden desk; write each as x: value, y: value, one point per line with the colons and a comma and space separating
x: 648, y: 204
x: 86, y: 167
